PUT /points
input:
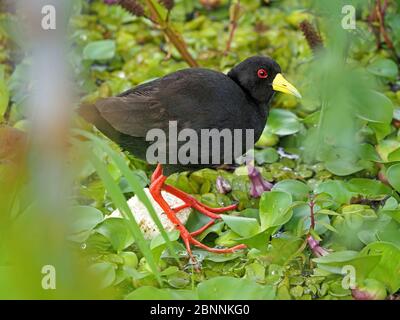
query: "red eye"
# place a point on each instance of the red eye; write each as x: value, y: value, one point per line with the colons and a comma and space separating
x: 262, y: 73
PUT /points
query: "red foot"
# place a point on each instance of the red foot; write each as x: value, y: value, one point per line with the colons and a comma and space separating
x: 157, y: 184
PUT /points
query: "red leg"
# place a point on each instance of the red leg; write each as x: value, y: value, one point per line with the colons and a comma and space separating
x: 158, y: 184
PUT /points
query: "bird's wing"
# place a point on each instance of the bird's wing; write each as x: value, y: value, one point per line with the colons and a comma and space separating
x: 135, y: 111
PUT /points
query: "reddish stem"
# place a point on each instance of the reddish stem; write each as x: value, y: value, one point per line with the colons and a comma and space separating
x: 312, y: 215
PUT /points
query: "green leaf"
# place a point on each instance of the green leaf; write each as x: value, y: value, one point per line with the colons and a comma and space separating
x: 4, y: 93
x: 275, y: 209
x: 376, y: 107
x: 368, y: 187
x: 301, y: 215
x: 258, y: 241
x: 82, y: 220
x: 339, y: 256
x: 152, y: 293
x: 384, y: 68
x: 341, y: 161
x: 245, y: 227
x: 227, y: 288
x: 388, y: 269
x: 282, y: 122
x: 299, y: 190
x: 117, y: 231
x: 393, y: 175
x: 267, y: 155
x: 99, y: 50
x: 369, y: 153
x: 387, y: 147
x: 105, y: 272
x: 336, y: 189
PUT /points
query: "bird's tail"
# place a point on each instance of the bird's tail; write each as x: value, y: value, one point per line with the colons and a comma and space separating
x: 91, y: 114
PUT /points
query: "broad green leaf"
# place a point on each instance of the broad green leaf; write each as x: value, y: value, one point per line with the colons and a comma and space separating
x: 158, y: 244
x: 299, y: 190
x: 267, y: 155
x: 376, y: 108
x: 258, y: 241
x: 275, y: 209
x: 337, y: 189
x: 245, y: 227
x: 283, y: 250
x: 388, y: 269
x: 282, y: 122
x: 394, y: 155
x: 384, y: 68
x: 393, y: 175
x: 301, y: 215
x: 369, y: 153
x: 99, y: 50
x: 335, y: 257
x: 341, y: 161
x: 363, y: 265
x: 386, y: 148
x: 105, y: 272
x: 83, y: 219
x: 368, y: 187
x: 152, y: 293
x: 116, y: 230
x: 227, y: 288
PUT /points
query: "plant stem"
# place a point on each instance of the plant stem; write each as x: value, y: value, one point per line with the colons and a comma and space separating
x: 235, y: 13
x: 312, y: 215
x: 232, y: 31
x: 172, y: 35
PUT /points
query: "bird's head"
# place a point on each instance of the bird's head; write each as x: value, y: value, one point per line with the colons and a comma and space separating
x: 260, y: 77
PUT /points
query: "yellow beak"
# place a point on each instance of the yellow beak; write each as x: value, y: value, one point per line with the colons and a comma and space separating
x: 282, y: 85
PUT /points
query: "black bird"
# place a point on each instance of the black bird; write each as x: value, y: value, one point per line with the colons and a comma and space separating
x: 194, y: 99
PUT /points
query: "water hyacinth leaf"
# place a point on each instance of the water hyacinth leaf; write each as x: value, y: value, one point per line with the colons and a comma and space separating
x: 382, y: 130
x: 245, y: 227
x: 393, y: 175
x: 152, y: 293
x: 99, y: 50
x: 117, y: 231
x: 369, y: 153
x: 275, y: 209
x: 301, y: 215
x: 267, y: 155
x: 217, y: 257
x: 368, y: 188
x: 388, y: 269
x: 158, y: 244
x: 299, y: 190
x: 384, y: 68
x: 362, y: 266
x: 83, y: 219
x: 105, y: 272
x: 394, y: 156
x: 227, y: 288
x: 387, y: 147
x: 258, y: 241
x: 336, y: 189
x: 376, y: 107
x: 337, y: 257
x: 341, y: 161
x: 282, y: 122
x: 283, y: 250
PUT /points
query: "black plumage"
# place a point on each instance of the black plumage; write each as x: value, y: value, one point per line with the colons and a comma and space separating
x: 196, y: 98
